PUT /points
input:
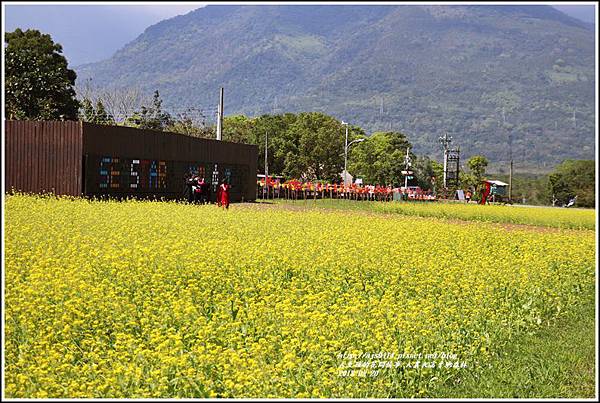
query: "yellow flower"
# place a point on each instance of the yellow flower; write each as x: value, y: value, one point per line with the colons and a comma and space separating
x: 127, y: 300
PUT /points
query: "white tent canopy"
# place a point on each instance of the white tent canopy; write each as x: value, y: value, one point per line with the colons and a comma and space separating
x: 497, y: 183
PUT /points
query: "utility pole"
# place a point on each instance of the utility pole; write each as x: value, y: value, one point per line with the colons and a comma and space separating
x: 346, y: 155
x: 445, y: 141
x: 407, y: 167
x: 266, y: 163
x: 510, y: 172
x: 510, y: 155
x: 220, y: 116
x: 574, y: 118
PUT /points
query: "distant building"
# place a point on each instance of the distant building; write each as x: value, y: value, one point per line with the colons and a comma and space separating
x: 498, y: 189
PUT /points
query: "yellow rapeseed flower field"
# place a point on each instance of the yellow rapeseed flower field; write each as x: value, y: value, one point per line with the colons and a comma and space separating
x: 573, y: 218
x: 162, y: 299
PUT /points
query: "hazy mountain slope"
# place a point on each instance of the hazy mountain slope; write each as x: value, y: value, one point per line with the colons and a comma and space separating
x: 421, y: 69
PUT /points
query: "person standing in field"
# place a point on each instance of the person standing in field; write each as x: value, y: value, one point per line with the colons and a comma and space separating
x: 189, y: 188
x: 223, y: 195
x: 192, y: 186
x: 196, y: 187
x: 468, y: 196
x: 203, y: 187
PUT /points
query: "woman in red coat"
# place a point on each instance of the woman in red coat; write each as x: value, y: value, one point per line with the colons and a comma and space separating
x: 223, y: 195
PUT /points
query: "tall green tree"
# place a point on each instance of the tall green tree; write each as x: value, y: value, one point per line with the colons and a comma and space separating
x: 424, y: 172
x: 151, y: 117
x: 97, y: 115
x: 38, y: 83
x: 320, y: 147
x: 437, y: 181
x: 102, y: 116
x: 88, y: 114
x: 282, y: 143
x: 186, y: 125
x: 191, y: 122
x: 380, y: 159
x: 467, y: 181
x: 573, y: 178
x: 238, y: 129
x: 477, y: 165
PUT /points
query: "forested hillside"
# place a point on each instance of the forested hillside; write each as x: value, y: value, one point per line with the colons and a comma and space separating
x: 422, y: 70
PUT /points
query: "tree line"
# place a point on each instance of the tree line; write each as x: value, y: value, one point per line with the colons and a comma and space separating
x: 307, y: 145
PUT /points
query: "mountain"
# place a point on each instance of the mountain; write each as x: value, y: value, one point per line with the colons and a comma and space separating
x: 424, y: 70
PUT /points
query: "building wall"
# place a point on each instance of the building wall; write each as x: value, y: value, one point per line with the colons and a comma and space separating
x: 116, y: 161
x: 123, y: 161
x: 43, y: 157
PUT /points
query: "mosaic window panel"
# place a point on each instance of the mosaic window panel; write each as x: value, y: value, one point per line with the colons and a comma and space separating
x: 153, y: 179
x: 110, y: 172
x: 127, y: 174
x: 201, y: 171
x: 197, y: 169
x: 104, y: 172
x: 162, y: 175
x: 115, y: 173
x: 134, y: 177
x: 228, y: 175
x: 215, y: 175
x: 144, y: 174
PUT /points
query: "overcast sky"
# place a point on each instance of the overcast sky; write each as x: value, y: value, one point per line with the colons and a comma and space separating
x: 90, y: 33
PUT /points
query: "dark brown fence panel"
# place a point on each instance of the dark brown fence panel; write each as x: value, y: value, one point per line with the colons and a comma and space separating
x: 123, y: 161
x: 43, y: 157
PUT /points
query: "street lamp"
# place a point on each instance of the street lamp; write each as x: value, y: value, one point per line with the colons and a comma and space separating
x: 355, y: 141
x: 347, y: 148
x: 347, y: 145
x: 345, y: 152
